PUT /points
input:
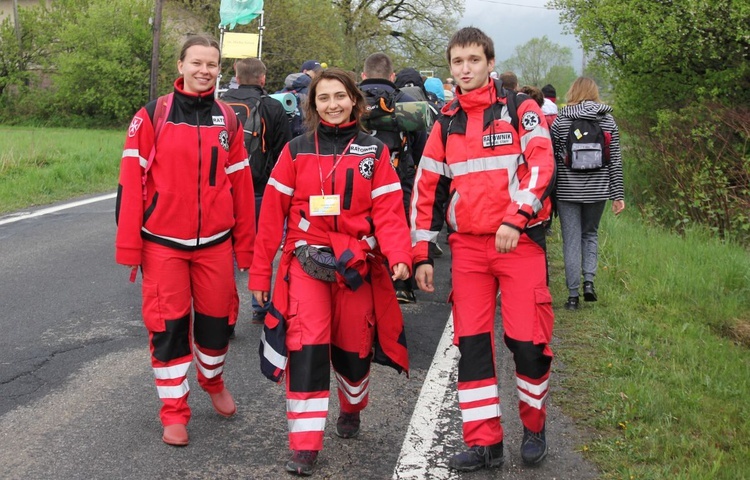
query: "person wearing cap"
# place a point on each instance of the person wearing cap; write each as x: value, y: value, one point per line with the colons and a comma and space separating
x: 311, y: 68
x: 549, y: 109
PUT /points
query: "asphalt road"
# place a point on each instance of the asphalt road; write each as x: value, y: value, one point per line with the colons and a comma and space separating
x: 77, y: 399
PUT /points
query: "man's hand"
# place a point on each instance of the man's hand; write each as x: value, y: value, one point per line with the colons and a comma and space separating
x: 400, y: 272
x: 618, y: 206
x: 260, y: 296
x: 423, y: 276
x: 506, y: 239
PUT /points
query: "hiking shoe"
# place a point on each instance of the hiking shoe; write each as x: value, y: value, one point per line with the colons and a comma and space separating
x: 347, y: 426
x: 435, y: 250
x: 572, y: 303
x: 302, y: 462
x: 533, y: 447
x: 478, y: 457
x: 406, y: 296
x: 589, y: 294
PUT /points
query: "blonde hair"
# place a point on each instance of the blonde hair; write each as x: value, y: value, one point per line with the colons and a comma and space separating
x: 584, y: 88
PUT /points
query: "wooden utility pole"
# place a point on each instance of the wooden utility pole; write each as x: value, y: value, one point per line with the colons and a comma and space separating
x: 152, y: 93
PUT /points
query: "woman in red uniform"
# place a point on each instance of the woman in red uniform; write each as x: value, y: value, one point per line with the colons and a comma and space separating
x: 333, y: 294
x: 180, y: 217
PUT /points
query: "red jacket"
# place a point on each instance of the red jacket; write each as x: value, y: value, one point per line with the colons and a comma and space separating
x: 369, y: 193
x: 199, y: 190
x: 490, y: 173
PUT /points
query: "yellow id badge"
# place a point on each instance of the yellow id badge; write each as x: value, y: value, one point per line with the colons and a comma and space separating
x: 322, y: 205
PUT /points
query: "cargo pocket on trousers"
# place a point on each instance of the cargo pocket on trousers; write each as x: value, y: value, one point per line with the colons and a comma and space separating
x: 368, y: 335
x: 294, y: 328
x: 152, y: 315
x: 545, y: 317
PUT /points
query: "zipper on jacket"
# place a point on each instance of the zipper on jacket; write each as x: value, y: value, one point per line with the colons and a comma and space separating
x: 333, y: 174
x: 200, y: 164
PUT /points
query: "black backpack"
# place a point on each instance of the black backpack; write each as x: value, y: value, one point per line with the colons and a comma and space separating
x: 587, y: 145
x: 380, y: 119
x: 254, y: 127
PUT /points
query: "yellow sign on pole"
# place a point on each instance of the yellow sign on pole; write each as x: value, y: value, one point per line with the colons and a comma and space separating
x: 240, y: 45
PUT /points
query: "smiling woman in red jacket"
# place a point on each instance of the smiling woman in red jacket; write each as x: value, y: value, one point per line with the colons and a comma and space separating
x: 333, y: 294
x: 181, y: 217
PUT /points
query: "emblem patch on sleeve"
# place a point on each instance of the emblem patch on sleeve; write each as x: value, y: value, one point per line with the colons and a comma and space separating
x: 367, y: 167
x: 530, y: 120
x: 224, y: 140
x: 134, y: 126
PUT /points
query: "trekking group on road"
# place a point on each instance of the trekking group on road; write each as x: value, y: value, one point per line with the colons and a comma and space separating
x: 354, y: 185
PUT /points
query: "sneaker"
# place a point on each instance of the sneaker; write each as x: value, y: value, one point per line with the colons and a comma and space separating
x: 406, y: 296
x: 572, y: 303
x: 435, y: 250
x: 533, y: 447
x: 589, y: 294
x: 478, y: 457
x: 259, y: 318
x: 347, y: 426
x: 302, y: 462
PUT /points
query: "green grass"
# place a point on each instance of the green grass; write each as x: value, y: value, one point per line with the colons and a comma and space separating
x: 657, y: 373
x: 39, y: 166
x: 659, y: 369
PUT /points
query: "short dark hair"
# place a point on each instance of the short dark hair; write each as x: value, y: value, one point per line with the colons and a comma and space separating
x: 509, y: 80
x: 202, y: 40
x: 378, y: 65
x: 471, y: 36
x: 249, y: 71
x: 312, y: 117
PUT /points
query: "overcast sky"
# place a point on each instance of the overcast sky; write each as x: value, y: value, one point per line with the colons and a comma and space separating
x: 512, y: 23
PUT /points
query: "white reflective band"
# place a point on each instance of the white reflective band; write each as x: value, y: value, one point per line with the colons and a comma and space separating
x: 393, y: 187
x: 299, y: 243
x: 480, y: 413
x: 275, y: 358
x: 452, y: 211
x: 209, y: 372
x: 175, y: 371
x: 423, y: 236
x: 534, y: 177
x: 208, y: 359
x: 280, y: 187
x: 304, y: 224
x: 132, y: 152
x: 371, y: 241
x: 304, y: 406
x: 177, y: 391
x: 307, y: 425
x: 432, y: 165
x: 537, y: 403
x: 349, y: 388
x: 478, y: 165
x: 537, y: 132
x: 474, y: 394
x: 237, y: 166
x: 525, y: 197
x: 191, y: 242
x: 531, y: 388
x: 358, y: 398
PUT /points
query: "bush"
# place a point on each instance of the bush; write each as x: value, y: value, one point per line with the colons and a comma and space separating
x: 694, y: 167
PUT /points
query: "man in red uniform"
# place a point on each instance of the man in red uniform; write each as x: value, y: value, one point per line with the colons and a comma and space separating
x: 491, y: 159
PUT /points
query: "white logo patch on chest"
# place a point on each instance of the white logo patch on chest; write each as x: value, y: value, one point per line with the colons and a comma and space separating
x: 497, y: 139
x: 224, y: 140
x: 218, y: 120
x: 530, y: 120
x: 367, y: 167
x: 134, y: 126
x: 362, y: 150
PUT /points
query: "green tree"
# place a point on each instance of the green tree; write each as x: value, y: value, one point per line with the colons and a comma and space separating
x: 561, y: 77
x: 533, y: 61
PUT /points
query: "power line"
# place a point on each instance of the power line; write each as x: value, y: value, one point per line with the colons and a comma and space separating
x: 516, y: 4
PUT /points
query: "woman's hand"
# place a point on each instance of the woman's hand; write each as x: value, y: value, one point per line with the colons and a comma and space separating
x: 618, y: 206
x: 260, y: 296
x: 400, y: 271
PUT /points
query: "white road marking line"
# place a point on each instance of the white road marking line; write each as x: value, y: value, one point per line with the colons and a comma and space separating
x: 418, y: 448
x: 45, y: 211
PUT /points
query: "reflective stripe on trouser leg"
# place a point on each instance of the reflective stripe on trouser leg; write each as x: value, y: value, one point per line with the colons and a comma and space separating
x: 307, y: 393
x: 478, y: 396
x: 353, y: 379
x: 532, y: 381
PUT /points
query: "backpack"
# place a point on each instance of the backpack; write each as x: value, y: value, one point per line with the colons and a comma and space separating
x: 254, y: 128
x: 380, y: 119
x: 297, y: 117
x: 587, y: 145
x: 163, y: 107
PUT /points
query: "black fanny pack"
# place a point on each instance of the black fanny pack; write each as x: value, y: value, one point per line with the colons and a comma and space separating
x: 318, y: 262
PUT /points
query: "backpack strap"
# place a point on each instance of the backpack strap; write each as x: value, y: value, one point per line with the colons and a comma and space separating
x: 163, y: 107
x: 230, y: 119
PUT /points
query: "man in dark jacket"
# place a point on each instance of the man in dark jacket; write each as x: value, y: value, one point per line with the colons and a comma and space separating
x: 378, y: 77
x: 275, y: 131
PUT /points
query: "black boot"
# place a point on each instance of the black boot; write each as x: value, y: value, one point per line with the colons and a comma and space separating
x: 572, y: 303
x: 589, y: 294
x: 478, y: 457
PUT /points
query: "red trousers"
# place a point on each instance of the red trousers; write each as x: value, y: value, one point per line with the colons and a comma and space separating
x: 478, y: 271
x: 177, y: 283
x: 327, y: 325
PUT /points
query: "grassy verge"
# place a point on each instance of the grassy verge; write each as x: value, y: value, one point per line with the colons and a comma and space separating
x: 39, y: 166
x: 659, y: 368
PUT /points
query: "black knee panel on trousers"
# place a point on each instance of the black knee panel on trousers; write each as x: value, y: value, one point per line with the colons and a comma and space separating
x: 529, y: 358
x: 173, y: 342
x: 211, y: 332
x: 477, y: 358
x: 309, y: 369
x: 349, y: 364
